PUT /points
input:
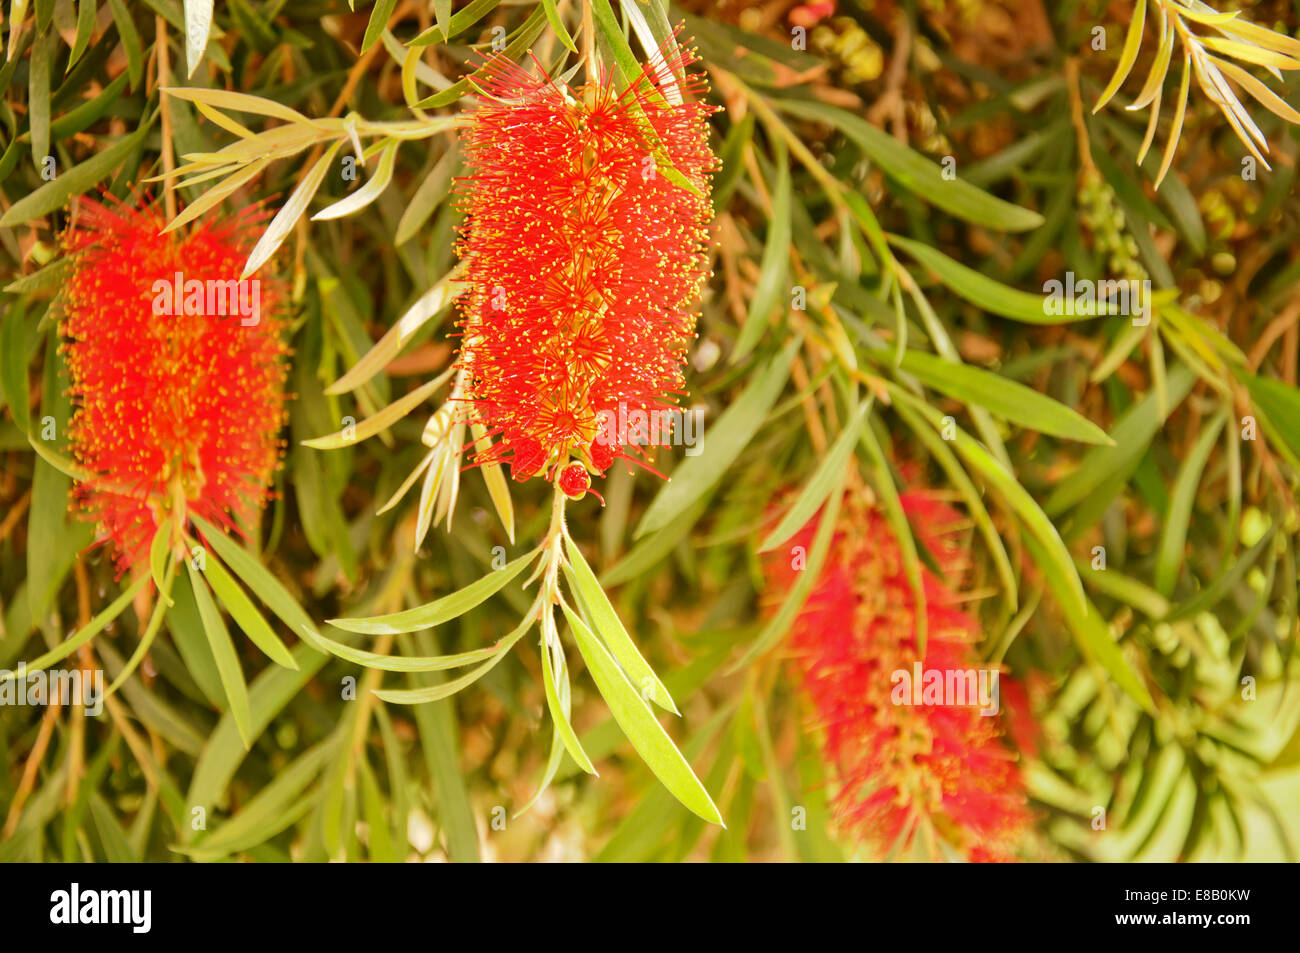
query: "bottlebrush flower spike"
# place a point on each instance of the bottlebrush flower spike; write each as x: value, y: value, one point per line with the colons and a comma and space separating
x: 177, y: 377
x: 940, y: 771
x: 584, y: 259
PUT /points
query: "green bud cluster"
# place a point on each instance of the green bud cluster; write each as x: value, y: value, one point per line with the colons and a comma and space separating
x: 1109, y: 227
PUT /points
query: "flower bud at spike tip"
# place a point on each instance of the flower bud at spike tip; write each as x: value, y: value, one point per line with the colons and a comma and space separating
x: 575, y: 481
x: 585, y: 257
x: 177, y: 392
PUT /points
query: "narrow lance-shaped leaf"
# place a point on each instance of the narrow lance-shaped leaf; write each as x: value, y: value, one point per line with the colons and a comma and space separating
x: 638, y: 723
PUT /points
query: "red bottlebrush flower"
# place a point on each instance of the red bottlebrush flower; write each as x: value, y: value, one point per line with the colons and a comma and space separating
x: 584, y: 260
x: 902, y: 768
x: 177, y: 373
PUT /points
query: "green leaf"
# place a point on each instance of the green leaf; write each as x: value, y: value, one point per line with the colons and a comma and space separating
x: 224, y: 752
x: 83, y: 635
x: 373, y: 188
x: 130, y: 41
x: 916, y: 173
x: 978, y: 458
x: 85, y: 28
x: 288, y: 216
x: 440, y: 610
x: 372, y: 805
x: 1280, y: 403
x: 1132, y: 434
x: 609, y: 627
x: 1128, y: 56
x: 557, y: 25
x: 638, y: 723
x: 1089, y: 628
x: 779, y: 624
x: 407, y: 663
x: 245, y: 614
x: 38, y: 95
x: 558, y: 703
x: 1169, y: 556
x: 13, y: 363
x: 269, y: 812
x: 727, y: 438
x: 254, y: 575
x: 379, y: 16
x: 774, y: 266
x: 1005, y: 398
x: 828, y: 478
x: 524, y: 38
x: 186, y: 624
x: 993, y: 296
x: 223, y: 650
x: 75, y: 181
x: 418, y: 696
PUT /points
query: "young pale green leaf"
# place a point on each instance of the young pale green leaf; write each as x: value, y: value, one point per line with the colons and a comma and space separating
x: 288, y: 216
x: 440, y: 610
x: 380, y: 421
x: 396, y: 337
x: 638, y: 722
x: 238, y: 102
x: 557, y: 703
x: 159, y: 550
x: 1127, y: 57
x: 418, y: 696
x: 368, y: 192
x: 1005, y: 398
x: 223, y: 650
x: 610, y: 628
x: 727, y: 438
x: 828, y: 478
x: 408, y: 663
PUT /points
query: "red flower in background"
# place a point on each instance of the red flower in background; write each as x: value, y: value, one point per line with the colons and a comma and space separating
x: 173, y: 410
x: 903, y: 770
x: 584, y: 261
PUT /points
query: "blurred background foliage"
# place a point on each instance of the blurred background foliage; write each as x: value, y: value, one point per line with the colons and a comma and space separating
x: 922, y: 302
